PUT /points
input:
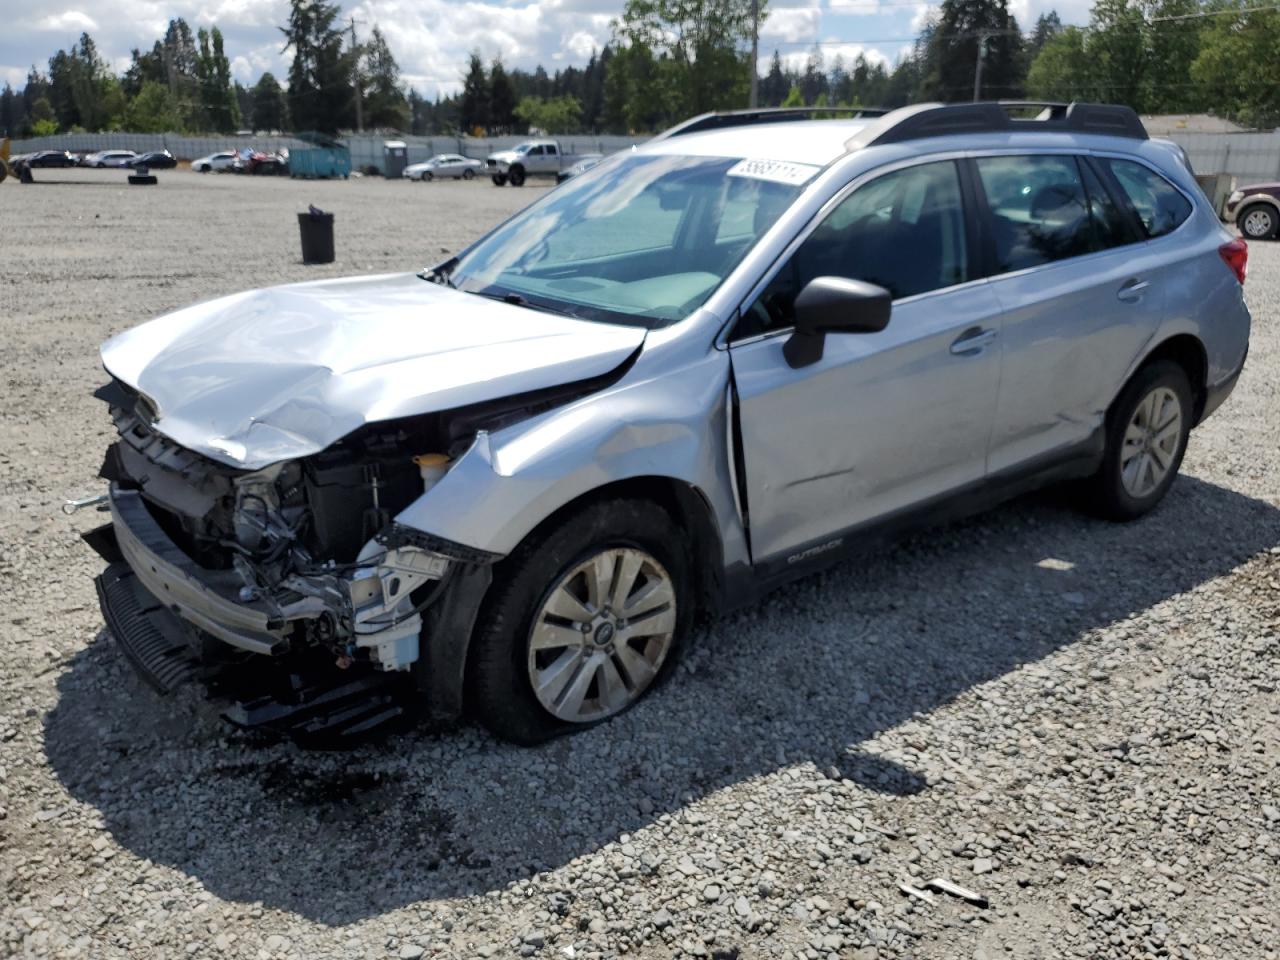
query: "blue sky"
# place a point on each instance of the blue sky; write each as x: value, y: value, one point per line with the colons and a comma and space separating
x: 431, y: 38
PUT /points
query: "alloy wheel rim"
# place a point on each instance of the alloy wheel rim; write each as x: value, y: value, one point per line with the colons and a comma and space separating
x: 1257, y: 223
x: 1151, y: 442
x: 601, y: 635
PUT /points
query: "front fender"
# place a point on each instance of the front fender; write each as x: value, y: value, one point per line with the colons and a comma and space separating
x: 673, y: 426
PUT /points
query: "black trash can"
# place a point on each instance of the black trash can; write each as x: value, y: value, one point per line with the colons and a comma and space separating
x: 316, y: 227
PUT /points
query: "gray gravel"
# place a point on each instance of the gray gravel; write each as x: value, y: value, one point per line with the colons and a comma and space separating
x: 1075, y: 720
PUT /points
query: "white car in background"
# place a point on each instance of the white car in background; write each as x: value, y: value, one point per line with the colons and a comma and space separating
x: 219, y: 162
x: 444, y: 165
x: 109, y: 158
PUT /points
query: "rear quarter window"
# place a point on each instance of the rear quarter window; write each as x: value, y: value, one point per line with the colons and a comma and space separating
x: 1159, y: 204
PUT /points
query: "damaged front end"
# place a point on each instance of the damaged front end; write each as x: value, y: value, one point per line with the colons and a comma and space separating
x: 293, y: 578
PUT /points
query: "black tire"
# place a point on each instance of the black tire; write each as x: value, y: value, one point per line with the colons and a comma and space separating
x: 468, y: 174
x: 500, y: 694
x: 205, y: 168
x: 516, y: 176
x: 1262, y: 219
x: 1106, y: 494
x: 499, y: 180
x: 427, y: 176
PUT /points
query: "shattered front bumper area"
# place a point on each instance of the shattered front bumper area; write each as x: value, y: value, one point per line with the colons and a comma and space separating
x: 320, y: 654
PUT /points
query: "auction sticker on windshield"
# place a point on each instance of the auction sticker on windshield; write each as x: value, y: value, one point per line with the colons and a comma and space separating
x: 779, y: 171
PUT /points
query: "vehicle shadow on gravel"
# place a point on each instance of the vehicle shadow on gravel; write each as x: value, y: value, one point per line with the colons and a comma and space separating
x: 810, y: 674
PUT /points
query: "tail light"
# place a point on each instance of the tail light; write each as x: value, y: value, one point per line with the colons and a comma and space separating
x: 1236, y: 256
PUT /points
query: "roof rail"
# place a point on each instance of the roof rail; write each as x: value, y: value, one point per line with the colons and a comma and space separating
x: 997, y: 116
x: 746, y: 118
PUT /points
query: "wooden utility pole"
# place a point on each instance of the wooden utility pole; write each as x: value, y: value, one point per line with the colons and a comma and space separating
x: 755, y: 53
x: 355, y: 76
x: 977, y: 67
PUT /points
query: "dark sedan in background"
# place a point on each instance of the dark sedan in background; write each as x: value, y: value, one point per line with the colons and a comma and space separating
x: 52, y: 158
x: 155, y: 160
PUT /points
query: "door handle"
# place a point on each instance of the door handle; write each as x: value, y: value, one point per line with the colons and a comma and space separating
x: 1131, y: 291
x: 972, y: 341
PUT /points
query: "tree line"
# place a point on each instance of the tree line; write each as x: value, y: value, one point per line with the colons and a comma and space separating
x: 668, y: 60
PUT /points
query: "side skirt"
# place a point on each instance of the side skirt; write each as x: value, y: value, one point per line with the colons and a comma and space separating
x: 770, y: 573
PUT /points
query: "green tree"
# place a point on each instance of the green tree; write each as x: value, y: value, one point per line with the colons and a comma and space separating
x: 220, y: 110
x: 1062, y: 69
x: 697, y: 48
x: 967, y: 29
x: 1238, y: 66
x: 153, y: 110
x: 321, y: 94
x: 1048, y: 26
x: 1117, y: 47
x: 554, y: 115
x: 794, y: 98
x: 270, y: 110
x: 474, y: 107
x: 502, y: 99
x: 384, y: 100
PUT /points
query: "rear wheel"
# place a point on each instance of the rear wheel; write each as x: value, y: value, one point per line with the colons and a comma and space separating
x: 1147, y: 431
x: 581, y: 622
x: 1258, y: 222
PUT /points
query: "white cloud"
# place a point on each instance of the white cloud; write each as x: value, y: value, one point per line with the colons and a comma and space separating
x: 791, y: 24
x: 68, y: 20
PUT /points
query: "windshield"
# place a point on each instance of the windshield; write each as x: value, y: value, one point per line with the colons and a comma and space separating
x: 637, y: 239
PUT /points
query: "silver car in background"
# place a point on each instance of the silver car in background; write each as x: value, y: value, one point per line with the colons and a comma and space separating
x: 707, y: 366
x: 453, y: 165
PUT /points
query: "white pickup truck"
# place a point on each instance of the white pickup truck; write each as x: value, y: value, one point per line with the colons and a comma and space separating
x: 533, y: 158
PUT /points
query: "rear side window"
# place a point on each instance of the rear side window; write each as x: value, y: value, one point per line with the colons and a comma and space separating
x: 1039, y: 210
x: 1160, y: 206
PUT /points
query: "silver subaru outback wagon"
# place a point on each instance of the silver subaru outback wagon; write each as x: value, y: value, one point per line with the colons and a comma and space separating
x: 508, y: 484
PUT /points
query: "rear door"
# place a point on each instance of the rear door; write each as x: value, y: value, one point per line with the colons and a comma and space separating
x: 1081, y: 294
x: 886, y: 421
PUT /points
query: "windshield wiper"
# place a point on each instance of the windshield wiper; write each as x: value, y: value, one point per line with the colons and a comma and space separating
x: 519, y: 300
x: 441, y: 273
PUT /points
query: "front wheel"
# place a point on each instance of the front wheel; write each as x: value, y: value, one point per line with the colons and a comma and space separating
x: 427, y: 176
x: 499, y: 180
x: 581, y: 622
x: 1147, y: 431
x: 517, y: 176
x: 468, y: 174
x: 1258, y: 222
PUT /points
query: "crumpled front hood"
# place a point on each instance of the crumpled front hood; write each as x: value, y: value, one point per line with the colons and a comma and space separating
x: 285, y: 372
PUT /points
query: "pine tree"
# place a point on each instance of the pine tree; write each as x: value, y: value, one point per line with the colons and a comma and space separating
x: 384, y: 101
x: 474, y: 109
x: 968, y: 29
x: 321, y: 95
x: 502, y: 99
x: 269, y: 106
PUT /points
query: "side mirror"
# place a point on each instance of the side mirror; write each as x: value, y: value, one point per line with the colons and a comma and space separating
x: 834, y: 305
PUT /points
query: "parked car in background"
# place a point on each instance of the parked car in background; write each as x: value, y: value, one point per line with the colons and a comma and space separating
x: 533, y: 158
x: 453, y: 165
x: 153, y: 160
x: 585, y: 162
x: 747, y: 348
x: 51, y: 158
x: 109, y: 158
x: 1255, y: 210
x: 214, y: 162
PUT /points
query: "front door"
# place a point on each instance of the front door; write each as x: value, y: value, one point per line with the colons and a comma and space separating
x: 884, y: 421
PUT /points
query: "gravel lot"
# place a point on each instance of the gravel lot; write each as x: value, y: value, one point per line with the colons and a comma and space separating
x: 1077, y: 720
